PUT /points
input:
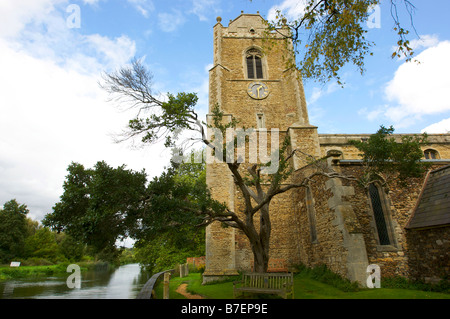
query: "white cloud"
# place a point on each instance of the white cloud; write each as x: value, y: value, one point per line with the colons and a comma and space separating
x: 317, y: 92
x: 91, y: 2
x: 114, y: 52
x: 15, y: 17
x: 52, y: 111
x: 372, y: 114
x: 292, y: 9
x: 420, y: 89
x: 143, y: 6
x: 203, y: 8
x: 169, y: 22
x: 424, y: 41
x: 315, y: 95
x: 438, y: 128
x: 50, y: 117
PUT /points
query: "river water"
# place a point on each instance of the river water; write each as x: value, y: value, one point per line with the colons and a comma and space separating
x: 124, y: 282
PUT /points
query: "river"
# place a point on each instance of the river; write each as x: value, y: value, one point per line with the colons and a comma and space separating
x: 125, y: 282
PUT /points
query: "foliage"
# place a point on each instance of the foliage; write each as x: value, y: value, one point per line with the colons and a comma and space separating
x: 127, y: 256
x: 156, y: 119
x: 383, y: 155
x: 13, y: 230
x: 33, y: 244
x: 161, y: 253
x: 71, y: 249
x: 42, y: 245
x: 399, y: 282
x: 32, y: 271
x: 98, y: 205
x: 175, y: 200
x: 332, y: 33
x: 168, y: 231
x: 322, y: 274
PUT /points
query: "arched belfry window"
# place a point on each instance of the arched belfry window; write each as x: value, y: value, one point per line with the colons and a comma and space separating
x: 254, y: 64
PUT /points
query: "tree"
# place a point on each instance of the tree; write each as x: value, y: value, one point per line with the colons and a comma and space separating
x: 98, y: 205
x: 166, y: 230
x: 157, y: 120
x: 71, y: 249
x: 332, y: 33
x: 13, y: 230
x: 42, y: 245
x: 384, y: 157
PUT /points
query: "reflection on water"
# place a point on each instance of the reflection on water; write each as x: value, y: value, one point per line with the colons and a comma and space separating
x: 123, y: 283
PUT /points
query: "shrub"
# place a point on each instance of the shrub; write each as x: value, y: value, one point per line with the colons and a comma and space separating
x: 403, y: 283
x: 323, y: 274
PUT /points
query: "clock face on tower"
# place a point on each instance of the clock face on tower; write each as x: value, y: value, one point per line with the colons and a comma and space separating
x: 258, y: 90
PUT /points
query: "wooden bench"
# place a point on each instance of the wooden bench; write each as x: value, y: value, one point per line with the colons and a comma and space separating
x: 281, y: 284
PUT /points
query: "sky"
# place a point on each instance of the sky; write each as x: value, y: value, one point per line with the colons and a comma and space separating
x: 53, y: 53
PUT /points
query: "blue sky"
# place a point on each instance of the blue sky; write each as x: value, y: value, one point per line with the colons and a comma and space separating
x: 52, y: 53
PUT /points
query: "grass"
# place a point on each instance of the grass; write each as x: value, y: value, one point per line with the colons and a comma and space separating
x: 30, y: 271
x: 221, y: 290
x: 305, y: 287
x: 308, y: 288
x: 8, y: 273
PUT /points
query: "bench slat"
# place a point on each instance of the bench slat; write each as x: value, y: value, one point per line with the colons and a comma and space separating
x: 274, y: 283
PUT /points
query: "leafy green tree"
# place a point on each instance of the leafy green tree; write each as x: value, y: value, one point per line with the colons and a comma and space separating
x: 174, y: 201
x: 329, y: 34
x: 168, y: 229
x: 98, y: 205
x: 13, y: 230
x: 32, y: 226
x: 70, y: 248
x: 385, y: 157
x: 161, y: 253
x: 42, y: 245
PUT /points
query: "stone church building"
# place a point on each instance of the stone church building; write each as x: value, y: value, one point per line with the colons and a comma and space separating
x: 336, y: 222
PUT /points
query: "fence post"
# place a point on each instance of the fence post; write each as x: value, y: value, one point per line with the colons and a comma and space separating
x: 181, y: 271
x: 166, y: 285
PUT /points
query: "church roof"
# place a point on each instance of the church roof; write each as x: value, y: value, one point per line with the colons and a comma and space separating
x: 433, y: 206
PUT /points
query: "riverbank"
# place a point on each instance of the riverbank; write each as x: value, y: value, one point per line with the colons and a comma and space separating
x: 306, y: 286
x: 23, y: 272
x: 123, y: 282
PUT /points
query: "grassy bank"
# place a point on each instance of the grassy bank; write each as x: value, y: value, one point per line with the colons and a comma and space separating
x: 22, y: 272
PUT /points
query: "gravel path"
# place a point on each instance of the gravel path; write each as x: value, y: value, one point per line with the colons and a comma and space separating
x: 182, y: 290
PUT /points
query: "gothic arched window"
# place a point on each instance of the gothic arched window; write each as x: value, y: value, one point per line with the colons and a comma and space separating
x: 380, y: 215
x: 254, y: 64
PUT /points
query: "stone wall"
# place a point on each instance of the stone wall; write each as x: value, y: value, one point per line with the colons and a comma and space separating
x: 429, y: 253
x: 398, y: 202
x: 340, y: 242
x: 328, y: 248
x: 347, y: 234
x: 196, y: 261
x: 340, y: 142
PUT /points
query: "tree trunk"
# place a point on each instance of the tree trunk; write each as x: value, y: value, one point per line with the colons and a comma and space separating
x: 260, y: 258
x: 260, y: 246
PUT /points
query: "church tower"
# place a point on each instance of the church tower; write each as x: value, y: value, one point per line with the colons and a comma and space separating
x: 252, y: 82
